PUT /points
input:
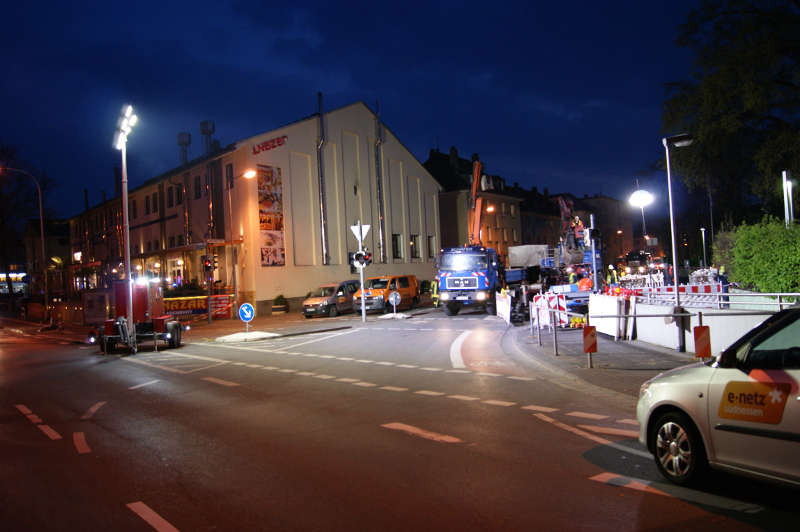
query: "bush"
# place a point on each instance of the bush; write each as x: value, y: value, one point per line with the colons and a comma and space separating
x: 279, y: 300
x: 766, y: 256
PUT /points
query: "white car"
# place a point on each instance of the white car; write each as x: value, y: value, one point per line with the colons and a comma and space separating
x: 739, y: 412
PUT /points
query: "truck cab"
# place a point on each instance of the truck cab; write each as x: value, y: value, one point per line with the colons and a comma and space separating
x: 468, y: 275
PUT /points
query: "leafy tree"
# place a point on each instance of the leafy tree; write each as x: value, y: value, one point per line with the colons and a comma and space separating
x: 766, y: 256
x: 742, y: 102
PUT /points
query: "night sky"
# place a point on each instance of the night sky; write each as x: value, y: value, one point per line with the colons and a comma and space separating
x: 565, y: 96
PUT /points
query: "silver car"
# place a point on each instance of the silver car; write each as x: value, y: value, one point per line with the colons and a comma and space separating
x: 330, y: 299
x: 739, y: 412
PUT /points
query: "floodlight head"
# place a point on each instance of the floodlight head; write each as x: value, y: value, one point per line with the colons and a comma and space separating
x: 679, y: 141
x: 128, y: 111
x: 641, y: 199
x: 250, y: 174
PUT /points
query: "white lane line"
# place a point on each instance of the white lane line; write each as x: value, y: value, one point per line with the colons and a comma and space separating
x: 253, y: 365
x: 537, y: 408
x: 458, y: 371
x: 287, y: 370
x: 79, y: 440
x: 394, y: 388
x: 24, y: 409
x: 325, y: 377
x: 271, y: 368
x: 514, y: 377
x: 628, y: 422
x: 151, y: 517
x: 220, y: 381
x: 148, y: 383
x: 344, y: 358
x: 322, y: 339
x: 587, y: 415
x: 365, y: 384
x: 431, y: 369
x: 408, y: 366
x: 422, y: 433
x: 487, y: 374
x: 594, y: 438
x: 611, y: 431
x: 306, y: 373
x: 34, y: 419
x: 347, y: 379
x: 429, y: 392
x: 157, y: 366
x: 455, y: 350
x: 463, y: 397
x: 239, y: 364
x: 364, y: 361
x: 495, y: 402
x: 52, y: 434
x: 385, y: 363
x: 93, y: 410
x: 326, y: 356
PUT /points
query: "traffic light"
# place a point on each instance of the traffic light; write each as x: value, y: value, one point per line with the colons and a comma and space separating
x: 207, y: 264
x: 216, y: 262
x: 367, y: 258
x: 359, y: 259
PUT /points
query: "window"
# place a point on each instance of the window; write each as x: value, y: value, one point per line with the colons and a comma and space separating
x: 504, y: 208
x: 515, y: 235
x: 156, y: 245
x: 208, y: 183
x: 178, y: 195
x: 133, y: 209
x: 505, y: 234
x: 170, y: 197
x: 229, y: 175
x: 431, y: 247
x: 198, y: 192
x: 149, y: 246
x: 172, y: 241
x: 147, y: 205
x: 155, y: 201
x: 513, y: 210
x: 402, y: 282
x: 397, y: 246
x: 180, y: 240
x: 414, y: 243
x: 778, y: 351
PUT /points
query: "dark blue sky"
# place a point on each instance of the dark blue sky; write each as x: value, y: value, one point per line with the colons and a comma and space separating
x: 565, y: 96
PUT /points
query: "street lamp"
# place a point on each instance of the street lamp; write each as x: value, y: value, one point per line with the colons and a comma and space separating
x: 41, y: 231
x: 788, y: 207
x: 641, y: 199
x: 124, y: 125
x: 249, y: 174
x: 678, y: 141
x: 703, y: 235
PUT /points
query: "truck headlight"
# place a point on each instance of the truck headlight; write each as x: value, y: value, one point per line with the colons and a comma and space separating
x: 444, y: 296
x: 480, y: 296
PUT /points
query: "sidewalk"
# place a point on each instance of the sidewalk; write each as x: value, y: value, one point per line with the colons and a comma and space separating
x: 618, y: 367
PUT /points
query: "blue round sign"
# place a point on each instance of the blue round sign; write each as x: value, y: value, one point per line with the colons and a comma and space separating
x: 246, y: 312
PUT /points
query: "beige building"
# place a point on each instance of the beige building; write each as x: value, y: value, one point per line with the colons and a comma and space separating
x: 286, y: 229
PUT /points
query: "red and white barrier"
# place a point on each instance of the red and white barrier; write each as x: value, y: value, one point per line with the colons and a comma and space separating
x: 546, y: 302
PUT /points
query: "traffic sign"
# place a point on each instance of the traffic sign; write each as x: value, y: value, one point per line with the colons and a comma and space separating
x: 702, y: 341
x: 394, y: 298
x: 589, y: 339
x: 360, y: 231
x: 246, y: 312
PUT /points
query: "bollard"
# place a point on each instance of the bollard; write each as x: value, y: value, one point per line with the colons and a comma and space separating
x: 554, y: 325
x: 589, y: 354
x: 538, y: 328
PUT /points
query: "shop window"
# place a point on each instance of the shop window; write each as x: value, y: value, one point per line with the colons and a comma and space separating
x: 170, y: 197
x: 414, y: 243
x: 397, y: 246
x: 198, y: 191
x: 431, y: 247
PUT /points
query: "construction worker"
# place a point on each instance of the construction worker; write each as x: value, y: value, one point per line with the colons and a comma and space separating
x: 585, y: 284
x: 577, y: 228
x: 573, y: 277
x: 435, y: 292
x: 611, y: 276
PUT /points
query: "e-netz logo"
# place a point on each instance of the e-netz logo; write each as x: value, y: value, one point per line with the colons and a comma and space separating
x: 754, y: 401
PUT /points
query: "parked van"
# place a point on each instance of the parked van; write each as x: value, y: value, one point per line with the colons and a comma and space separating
x: 377, y: 290
x: 330, y: 299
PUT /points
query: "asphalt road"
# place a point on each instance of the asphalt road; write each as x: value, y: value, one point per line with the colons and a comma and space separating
x: 431, y: 423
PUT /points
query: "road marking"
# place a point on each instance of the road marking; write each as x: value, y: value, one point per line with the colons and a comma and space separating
x: 455, y: 350
x: 429, y: 392
x: 611, y: 431
x: 487, y: 374
x: 394, y: 388
x: 148, y: 383
x: 628, y: 422
x: 326, y: 356
x: 347, y: 379
x: 34, y: 419
x: 537, y: 408
x: 324, y: 377
x: 143, y: 363
x: 365, y: 384
x: 306, y: 373
x: 463, y: 397
x: 89, y: 413
x: 678, y: 492
x: 344, y: 358
x: 271, y: 368
x: 385, y: 363
x: 253, y: 365
x: 587, y: 415
x: 239, y: 364
x: 458, y: 371
x: 431, y: 369
x: 594, y: 438
x: 151, y: 517
x: 364, y: 361
x: 287, y: 370
x: 416, y: 431
x: 495, y: 402
x: 79, y: 440
x: 24, y: 409
x: 220, y: 381
x: 323, y: 338
x: 521, y: 378
x: 52, y: 434
x: 408, y: 366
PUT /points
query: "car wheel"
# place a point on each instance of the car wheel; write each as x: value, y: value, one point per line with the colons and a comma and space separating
x: 308, y: 316
x: 332, y: 312
x: 414, y: 303
x: 108, y: 345
x: 451, y: 309
x: 678, y: 448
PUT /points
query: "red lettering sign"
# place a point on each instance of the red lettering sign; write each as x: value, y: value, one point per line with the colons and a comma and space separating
x: 270, y: 144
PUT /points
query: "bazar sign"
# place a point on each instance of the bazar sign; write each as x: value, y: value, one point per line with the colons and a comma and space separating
x: 184, y: 306
x: 270, y: 144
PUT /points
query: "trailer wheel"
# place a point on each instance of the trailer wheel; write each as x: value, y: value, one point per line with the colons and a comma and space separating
x: 174, y: 330
x: 108, y: 345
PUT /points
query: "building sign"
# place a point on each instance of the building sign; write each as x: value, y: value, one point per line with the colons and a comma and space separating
x: 270, y: 216
x: 270, y: 144
x: 187, y: 306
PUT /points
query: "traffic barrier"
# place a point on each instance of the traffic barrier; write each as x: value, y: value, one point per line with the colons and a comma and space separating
x: 702, y: 341
x: 544, y: 303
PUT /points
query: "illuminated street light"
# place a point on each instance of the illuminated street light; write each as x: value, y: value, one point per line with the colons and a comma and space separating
x: 490, y: 208
x: 703, y: 235
x: 678, y: 141
x: 249, y: 174
x: 641, y: 199
x: 41, y: 230
x: 126, y: 122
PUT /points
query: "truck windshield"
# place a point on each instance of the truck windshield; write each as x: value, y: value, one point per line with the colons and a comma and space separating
x: 463, y: 262
x: 377, y: 283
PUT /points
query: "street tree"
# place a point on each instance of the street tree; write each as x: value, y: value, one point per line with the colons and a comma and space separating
x: 742, y: 103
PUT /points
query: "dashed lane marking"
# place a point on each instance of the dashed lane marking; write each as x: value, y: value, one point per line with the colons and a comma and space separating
x: 463, y: 397
x: 407, y: 366
x: 151, y: 517
x: 157, y: 366
x: 220, y: 381
x: 394, y: 388
x: 488, y: 374
x: 587, y: 415
x: 384, y: 363
x: 537, y: 408
x: 514, y: 377
x: 611, y: 431
x: 347, y: 379
x: 49, y: 432
x: 628, y: 422
x: 593, y: 438
x: 422, y: 433
x: 324, y: 377
x: 429, y: 392
x: 365, y: 384
x: 431, y: 369
x: 495, y: 402
x: 79, y: 440
x: 24, y: 409
x: 142, y: 385
x: 94, y: 408
x: 33, y: 418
